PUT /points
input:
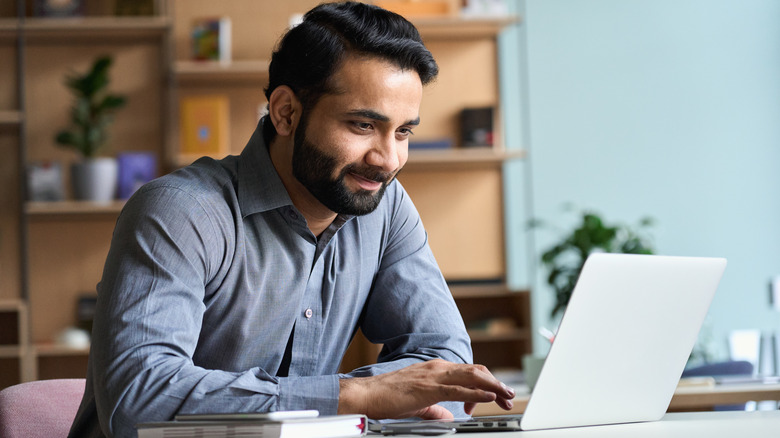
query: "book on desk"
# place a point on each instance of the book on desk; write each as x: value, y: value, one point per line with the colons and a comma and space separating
x: 235, y: 425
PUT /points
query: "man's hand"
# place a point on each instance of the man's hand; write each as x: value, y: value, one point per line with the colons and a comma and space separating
x: 414, y: 391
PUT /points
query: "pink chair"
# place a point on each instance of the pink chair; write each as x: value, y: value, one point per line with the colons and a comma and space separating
x: 40, y: 409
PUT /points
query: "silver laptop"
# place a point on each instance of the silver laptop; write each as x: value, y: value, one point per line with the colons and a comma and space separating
x: 622, y: 344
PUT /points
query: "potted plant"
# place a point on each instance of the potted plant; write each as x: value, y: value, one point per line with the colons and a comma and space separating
x: 565, y: 259
x: 94, y: 177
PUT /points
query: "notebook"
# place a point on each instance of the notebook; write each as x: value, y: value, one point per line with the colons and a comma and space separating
x: 622, y: 344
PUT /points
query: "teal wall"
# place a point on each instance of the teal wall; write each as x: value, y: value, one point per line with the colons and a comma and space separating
x: 667, y: 108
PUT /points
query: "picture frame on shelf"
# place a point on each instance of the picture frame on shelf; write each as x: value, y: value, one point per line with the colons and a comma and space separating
x: 45, y: 182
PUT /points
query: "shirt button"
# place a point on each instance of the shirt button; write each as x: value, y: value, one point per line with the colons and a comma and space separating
x: 308, y: 313
x: 293, y: 215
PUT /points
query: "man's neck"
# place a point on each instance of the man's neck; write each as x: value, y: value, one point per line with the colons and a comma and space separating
x: 318, y: 217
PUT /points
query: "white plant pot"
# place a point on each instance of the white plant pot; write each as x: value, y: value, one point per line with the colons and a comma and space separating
x: 94, y: 179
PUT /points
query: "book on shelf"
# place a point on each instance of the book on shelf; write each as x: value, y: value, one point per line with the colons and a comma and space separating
x: 204, y: 124
x: 211, y: 39
x: 234, y: 425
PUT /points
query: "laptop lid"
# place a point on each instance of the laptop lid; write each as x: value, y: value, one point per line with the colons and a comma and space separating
x: 624, y: 340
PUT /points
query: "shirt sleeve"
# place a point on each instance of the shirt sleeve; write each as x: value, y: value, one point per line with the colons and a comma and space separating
x: 410, y: 309
x: 148, y: 320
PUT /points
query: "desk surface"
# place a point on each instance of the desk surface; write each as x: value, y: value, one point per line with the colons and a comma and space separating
x: 685, y: 398
x: 756, y: 424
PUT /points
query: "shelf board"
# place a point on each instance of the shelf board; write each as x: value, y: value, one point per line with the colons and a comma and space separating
x: 11, y: 351
x: 10, y: 118
x: 73, y: 207
x: 234, y: 71
x: 463, y: 27
x: 420, y: 159
x: 96, y: 27
x: 8, y: 28
x: 513, y: 335
x: 48, y: 350
x: 483, y: 291
x: 462, y: 157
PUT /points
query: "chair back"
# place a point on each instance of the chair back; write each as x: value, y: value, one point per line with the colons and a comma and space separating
x: 40, y: 409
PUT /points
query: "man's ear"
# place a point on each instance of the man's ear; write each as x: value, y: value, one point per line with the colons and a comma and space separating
x: 284, y: 109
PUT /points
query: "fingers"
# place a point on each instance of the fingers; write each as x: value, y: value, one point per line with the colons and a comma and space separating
x: 416, y: 390
x: 435, y: 412
x: 477, y: 377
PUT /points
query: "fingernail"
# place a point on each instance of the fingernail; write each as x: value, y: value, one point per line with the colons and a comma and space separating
x: 509, y: 390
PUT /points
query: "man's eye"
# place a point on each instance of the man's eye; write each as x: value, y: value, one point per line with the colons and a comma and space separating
x: 406, y: 132
x: 363, y: 126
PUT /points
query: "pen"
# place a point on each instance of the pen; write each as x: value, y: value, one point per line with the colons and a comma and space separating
x: 417, y: 429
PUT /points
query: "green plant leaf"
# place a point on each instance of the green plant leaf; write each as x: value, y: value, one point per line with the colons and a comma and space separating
x: 565, y: 259
x: 92, y: 108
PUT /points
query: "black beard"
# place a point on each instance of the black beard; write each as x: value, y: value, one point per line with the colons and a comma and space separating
x: 313, y: 168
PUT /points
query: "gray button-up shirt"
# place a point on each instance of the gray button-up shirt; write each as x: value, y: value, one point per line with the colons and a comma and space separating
x: 210, y: 271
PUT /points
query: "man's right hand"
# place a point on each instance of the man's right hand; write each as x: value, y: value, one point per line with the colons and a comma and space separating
x: 414, y: 391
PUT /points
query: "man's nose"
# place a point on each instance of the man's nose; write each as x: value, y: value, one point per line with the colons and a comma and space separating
x: 384, y: 153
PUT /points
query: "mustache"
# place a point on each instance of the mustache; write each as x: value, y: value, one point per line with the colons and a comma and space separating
x: 370, y: 173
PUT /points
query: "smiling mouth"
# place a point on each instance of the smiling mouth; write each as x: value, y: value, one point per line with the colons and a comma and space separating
x: 365, y: 183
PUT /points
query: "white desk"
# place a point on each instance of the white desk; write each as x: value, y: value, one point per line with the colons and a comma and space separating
x: 757, y: 424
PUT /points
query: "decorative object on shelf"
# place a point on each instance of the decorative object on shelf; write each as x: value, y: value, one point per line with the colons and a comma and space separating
x: 484, y: 8
x: 94, y: 178
x: 134, y: 7
x: 205, y: 124
x: 58, y: 8
x: 417, y: 8
x: 44, y: 181
x: 211, y: 39
x: 135, y: 170
x: 476, y: 127
x: 565, y: 259
x: 73, y: 337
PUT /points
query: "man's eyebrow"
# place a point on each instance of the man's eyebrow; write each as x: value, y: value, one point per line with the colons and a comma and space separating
x: 373, y: 115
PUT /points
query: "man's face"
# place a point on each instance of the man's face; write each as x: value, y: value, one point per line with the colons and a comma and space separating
x: 352, y: 143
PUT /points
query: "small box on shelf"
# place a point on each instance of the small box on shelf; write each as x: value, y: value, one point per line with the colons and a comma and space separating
x: 476, y: 127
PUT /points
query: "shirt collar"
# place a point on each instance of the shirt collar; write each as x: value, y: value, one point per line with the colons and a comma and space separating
x: 259, y: 186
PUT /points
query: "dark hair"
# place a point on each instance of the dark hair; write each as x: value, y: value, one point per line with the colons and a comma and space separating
x: 309, y: 54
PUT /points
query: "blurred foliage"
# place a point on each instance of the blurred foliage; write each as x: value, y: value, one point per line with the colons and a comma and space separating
x: 92, y: 110
x: 565, y: 259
